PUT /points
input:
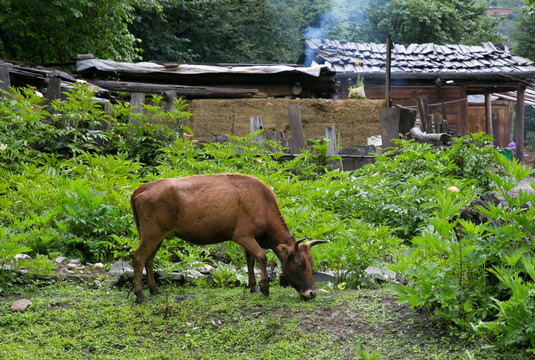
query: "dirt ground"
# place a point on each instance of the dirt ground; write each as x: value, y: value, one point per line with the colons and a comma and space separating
x: 355, y: 120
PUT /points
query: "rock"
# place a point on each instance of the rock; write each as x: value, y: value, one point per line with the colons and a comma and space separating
x: 324, y: 276
x: 175, y: 276
x: 382, y: 273
x: 72, y: 266
x: 192, y: 276
x: 20, y: 305
x: 74, y: 261
x: 98, y: 266
x: 60, y: 259
x: 22, y: 257
x: 120, y: 268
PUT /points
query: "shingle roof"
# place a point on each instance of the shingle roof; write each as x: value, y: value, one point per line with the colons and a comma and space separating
x: 423, y: 59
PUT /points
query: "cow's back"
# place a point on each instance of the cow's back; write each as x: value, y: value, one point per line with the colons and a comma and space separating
x: 206, y: 209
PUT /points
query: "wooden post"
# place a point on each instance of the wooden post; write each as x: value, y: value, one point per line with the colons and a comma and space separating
x: 5, y: 81
x: 170, y: 97
x: 519, y: 123
x: 406, y: 118
x: 437, y: 121
x: 332, y: 150
x: 388, y: 66
x: 296, y: 127
x: 53, y: 92
x: 255, y: 124
x: 388, y: 121
x: 136, y: 100
x: 488, y: 114
x: 425, y: 124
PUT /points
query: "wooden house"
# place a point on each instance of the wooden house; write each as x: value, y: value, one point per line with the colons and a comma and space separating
x: 444, y: 74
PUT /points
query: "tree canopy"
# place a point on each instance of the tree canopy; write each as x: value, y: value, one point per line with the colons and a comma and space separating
x: 232, y: 31
x: 436, y: 21
x: 52, y: 31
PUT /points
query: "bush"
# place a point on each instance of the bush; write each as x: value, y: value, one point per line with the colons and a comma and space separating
x: 478, y: 275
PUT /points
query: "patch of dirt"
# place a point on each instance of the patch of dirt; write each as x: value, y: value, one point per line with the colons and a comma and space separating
x: 354, y: 120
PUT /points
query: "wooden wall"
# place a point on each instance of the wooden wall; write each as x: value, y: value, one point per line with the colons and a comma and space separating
x: 454, y: 98
x: 502, y: 121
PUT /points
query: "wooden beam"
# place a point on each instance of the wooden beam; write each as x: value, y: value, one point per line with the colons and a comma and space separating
x: 387, y: 74
x: 389, y: 123
x: 488, y: 114
x: 332, y: 150
x: 296, y: 127
x: 181, y: 90
x: 5, y: 81
x: 255, y: 124
x: 136, y: 102
x: 519, y: 123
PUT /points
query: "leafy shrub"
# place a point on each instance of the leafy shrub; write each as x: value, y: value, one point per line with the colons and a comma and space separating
x: 478, y: 275
x: 399, y: 190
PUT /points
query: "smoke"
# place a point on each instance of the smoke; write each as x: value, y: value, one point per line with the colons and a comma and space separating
x: 343, y: 21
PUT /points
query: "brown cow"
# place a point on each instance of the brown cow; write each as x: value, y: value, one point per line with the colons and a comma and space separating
x: 209, y: 209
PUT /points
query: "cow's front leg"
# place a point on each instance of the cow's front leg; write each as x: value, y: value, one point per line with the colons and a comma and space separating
x: 254, y: 251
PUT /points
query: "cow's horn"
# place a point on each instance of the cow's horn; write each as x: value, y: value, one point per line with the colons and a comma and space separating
x: 299, y: 242
x: 316, y: 242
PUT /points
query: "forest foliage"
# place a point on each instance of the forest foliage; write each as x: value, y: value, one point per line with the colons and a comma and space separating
x: 250, y: 31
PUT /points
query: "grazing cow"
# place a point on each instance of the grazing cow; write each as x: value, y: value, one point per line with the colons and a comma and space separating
x: 209, y: 209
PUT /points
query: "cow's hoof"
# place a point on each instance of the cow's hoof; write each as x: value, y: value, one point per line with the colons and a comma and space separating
x: 141, y: 299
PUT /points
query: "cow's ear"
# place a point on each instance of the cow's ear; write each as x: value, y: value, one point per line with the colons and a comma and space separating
x: 284, y: 251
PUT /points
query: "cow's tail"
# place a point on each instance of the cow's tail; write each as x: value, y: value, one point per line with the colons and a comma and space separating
x: 134, y: 210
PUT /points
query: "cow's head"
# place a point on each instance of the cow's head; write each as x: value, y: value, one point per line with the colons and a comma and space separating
x: 297, y: 266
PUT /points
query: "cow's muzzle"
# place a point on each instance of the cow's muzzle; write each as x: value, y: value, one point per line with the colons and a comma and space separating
x: 308, y: 294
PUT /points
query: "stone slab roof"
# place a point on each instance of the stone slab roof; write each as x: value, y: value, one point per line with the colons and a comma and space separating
x: 418, y: 60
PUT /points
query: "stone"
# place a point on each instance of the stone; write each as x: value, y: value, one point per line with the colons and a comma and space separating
x: 382, y: 273
x: 61, y: 259
x: 22, y: 257
x: 20, y: 305
x: 120, y: 268
x: 324, y: 276
x: 192, y: 276
x: 98, y: 266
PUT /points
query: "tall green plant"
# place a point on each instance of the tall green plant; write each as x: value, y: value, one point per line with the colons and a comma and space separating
x: 478, y: 275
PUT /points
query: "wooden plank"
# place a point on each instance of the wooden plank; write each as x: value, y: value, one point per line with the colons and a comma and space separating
x: 296, y: 127
x: 488, y: 114
x: 136, y: 101
x: 389, y: 126
x: 423, y: 111
x: 519, y: 123
x: 5, y: 81
x: 255, y: 124
x: 406, y: 118
x: 437, y: 122
x: 53, y: 91
x: 181, y: 90
x: 332, y: 149
x: 170, y: 97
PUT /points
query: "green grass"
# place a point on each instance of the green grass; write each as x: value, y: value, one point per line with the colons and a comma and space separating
x: 73, y: 320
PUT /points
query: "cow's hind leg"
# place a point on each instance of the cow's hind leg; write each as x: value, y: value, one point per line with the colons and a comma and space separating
x: 149, y: 266
x: 146, y: 251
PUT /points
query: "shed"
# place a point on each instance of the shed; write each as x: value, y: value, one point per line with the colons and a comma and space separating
x: 211, y: 80
x: 444, y: 74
